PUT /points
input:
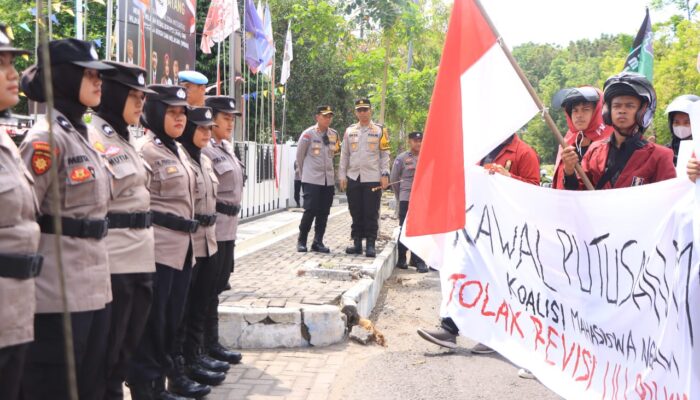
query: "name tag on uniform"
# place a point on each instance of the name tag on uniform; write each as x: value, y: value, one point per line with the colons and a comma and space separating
x: 171, y: 170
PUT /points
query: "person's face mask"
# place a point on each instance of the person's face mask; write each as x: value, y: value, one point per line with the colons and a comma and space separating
x: 682, y: 132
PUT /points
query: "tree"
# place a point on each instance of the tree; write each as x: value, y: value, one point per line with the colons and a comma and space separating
x: 689, y: 8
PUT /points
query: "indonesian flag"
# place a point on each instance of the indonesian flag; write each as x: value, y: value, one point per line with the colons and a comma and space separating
x: 478, y: 101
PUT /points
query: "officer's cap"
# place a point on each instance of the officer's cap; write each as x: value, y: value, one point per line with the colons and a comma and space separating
x: 6, y: 43
x: 324, y: 110
x: 224, y: 104
x: 416, y: 135
x: 362, y: 103
x: 129, y: 75
x: 78, y: 52
x: 169, y: 94
x: 200, y: 116
x: 192, y: 77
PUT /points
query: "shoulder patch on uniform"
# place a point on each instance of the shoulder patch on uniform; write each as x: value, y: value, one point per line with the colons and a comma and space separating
x: 64, y: 123
x: 107, y: 130
x: 41, y: 161
x: 306, y: 136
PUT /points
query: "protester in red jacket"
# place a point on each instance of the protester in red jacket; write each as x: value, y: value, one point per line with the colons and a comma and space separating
x: 516, y: 159
x: 625, y: 159
x: 583, y: 107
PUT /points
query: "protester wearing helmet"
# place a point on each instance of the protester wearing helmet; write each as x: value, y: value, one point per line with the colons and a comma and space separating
x: 625, y: 159
x: 679, y: 121
x: 583, y: 107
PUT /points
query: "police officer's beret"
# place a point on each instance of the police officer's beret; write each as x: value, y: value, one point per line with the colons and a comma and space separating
x: 362, y: 103
x: 192, y: 77
x: 129, y: 75
x: 169, y: 94
x: 224, y: 104
x: 324, y: 110
x: 200, y: 116
x: 74, y: 51
x: 415, y: 135
x: 6, y: 43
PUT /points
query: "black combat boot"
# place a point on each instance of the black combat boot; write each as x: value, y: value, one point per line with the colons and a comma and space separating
x: 213, y: 364
x: 181, y: 385
x: 199, y: 373
x: 301, y: 242
x: 221, y: 353
x: 356, y: 248
x: 318, y: 245
x: 370, y: 251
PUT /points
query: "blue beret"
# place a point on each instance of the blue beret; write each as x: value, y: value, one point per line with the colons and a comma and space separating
x: 193, y: 77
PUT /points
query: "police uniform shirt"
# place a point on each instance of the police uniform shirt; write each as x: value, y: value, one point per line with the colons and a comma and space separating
x: 229, y: 172
x: 19, y: 234
x: 403, y: 170
x: 83, y: 186
x: 361, y: 155
x: 315, y: 158
x: 204, y: 240
x: 172, y: 187
x: 130, y: 250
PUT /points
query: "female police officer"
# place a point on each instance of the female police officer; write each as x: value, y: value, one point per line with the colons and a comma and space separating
x: 130, y: 237
x: 83, y: 195
x: 19, y: 238
x: 172, y: 188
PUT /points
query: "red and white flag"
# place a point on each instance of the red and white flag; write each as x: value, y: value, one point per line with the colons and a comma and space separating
x: 478, y: 101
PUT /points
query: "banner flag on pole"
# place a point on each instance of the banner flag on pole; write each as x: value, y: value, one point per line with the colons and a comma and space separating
x: 256, y: 42
x: 288, y: 55
x: 465, y: 120
x: 222, y: 20
x: 641, y: 57
x: 270, y: 51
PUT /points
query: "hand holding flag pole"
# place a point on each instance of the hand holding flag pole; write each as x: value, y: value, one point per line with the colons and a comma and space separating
x: 545, y: 112
x: 374, y: 189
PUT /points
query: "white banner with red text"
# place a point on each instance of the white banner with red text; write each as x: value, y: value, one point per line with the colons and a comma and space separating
x: 597, y: 293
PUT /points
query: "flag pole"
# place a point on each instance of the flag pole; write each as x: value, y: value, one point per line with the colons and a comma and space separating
x: 545, y: 112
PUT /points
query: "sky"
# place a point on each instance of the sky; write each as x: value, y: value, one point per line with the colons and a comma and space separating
x: 561, y: 21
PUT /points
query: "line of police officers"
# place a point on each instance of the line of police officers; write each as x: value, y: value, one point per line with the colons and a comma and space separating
x: 147, y: 231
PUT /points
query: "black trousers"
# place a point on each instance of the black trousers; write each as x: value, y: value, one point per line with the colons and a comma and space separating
x: 45, y: 371
x: 297, y: 190
x: 152, y: 359
x: 403, y: 210
x: 223, y: 266
x: 132, y: 297
x: 318, y: 200
x: 364, y: 208
x: 11, y: 368
x: 190, y: 339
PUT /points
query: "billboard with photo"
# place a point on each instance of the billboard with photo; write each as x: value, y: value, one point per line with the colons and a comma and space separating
x: 158, y: 35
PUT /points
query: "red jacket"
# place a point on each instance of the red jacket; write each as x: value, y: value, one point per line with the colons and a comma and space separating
x: 652, y: 163
x: 520, y: 160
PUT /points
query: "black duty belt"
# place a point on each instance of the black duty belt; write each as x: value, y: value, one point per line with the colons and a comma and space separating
x: 140, y: 220
x: 174, y: 222
x: 79, y: 228
x: 20, y: 266
x: 227, y: 209
x: 205, y: 220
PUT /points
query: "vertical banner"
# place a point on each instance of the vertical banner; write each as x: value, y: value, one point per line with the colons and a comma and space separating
x: 159, y: 35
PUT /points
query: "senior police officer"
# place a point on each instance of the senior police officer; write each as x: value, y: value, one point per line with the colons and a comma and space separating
x: 172, y: 187
x: 196, y: 85
x: 229, y: 171
x: 364, y: 165
x: 19, y: 238
x: 402, y: 174
x: 317, y: 146
x: 130, y: 239
x: 83, y: 190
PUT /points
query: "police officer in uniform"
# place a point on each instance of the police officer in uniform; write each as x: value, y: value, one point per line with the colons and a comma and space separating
x: 402, y: 177
x: 364, y: 165
x: 172, y: 187
x: 196, y: 85
x: 83, y: 198
x: 229, y: 171
x: 317, y: 146
x: 201, y: 367
x: 130, y: 241
x: 19, y: 238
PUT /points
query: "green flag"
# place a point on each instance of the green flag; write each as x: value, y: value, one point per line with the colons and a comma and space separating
x: 641, y: 57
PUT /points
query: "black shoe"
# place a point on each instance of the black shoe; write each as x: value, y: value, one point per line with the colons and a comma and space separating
x: 227, y: 287
x: 401, y: 264
x: 198, y: 373
x: 181, y: 385
x: 213, y: 364
x: 221, y: 353
x: 318, y: 247
x: 370, y: 251
x: 301, y: 242
x: 356, y: 248
x: 421, y: 267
